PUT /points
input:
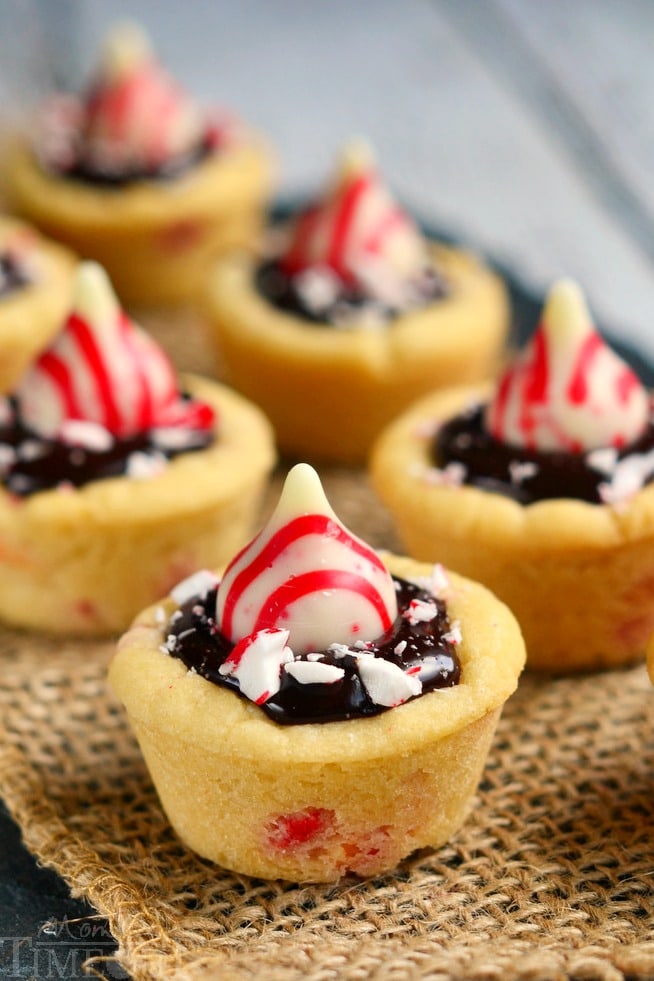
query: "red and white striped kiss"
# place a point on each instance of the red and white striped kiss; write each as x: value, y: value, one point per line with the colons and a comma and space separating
x: 102, y: 368
x: 307, y: 574
x: 357, y: 231
x: 567, y: 390
x: 136, y: 114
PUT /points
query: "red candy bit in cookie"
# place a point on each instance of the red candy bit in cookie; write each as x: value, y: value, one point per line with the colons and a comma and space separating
x: 103, y: 369
x: 307, y: 574
x: 568, y: 390
x: 358, y: 233
x: 136, y: 115
x: 288, y: 831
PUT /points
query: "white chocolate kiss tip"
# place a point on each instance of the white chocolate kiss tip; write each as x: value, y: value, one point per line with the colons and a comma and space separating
x: 305, y: 573
x: 357, y: 156
x: 125, y: 47
x: 94, y: 299
x: 568, y: 390
x: 566, y: 313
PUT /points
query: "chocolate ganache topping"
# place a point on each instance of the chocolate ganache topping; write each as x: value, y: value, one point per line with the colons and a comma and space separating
x: 465, y: 448
x: 419, y: 647
x: 320, y: 299
x: 30, y: 462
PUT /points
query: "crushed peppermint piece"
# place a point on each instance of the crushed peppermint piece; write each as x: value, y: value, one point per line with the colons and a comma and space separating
x: 315, y: 656
x: 521, y: 470
x: 437, y: 583
x: 339, y: 650
x: 400, y: 648
x: 314, y: 672
x: 628, y: 478
x: 199, y: 584
x: 142, y: 466
x: 171, y: 438
x: 453, y: 635
x: 386, y: 683
x: 171, y: 643
x: 30, y: 449
x: 420, y: 611
x: 604, y: 459
x: 318, y: 287
x: 90, y: 435
x: 256, y: 662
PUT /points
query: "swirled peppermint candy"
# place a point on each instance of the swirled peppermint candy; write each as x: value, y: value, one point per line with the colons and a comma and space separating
x: 101, y: 368
x: 357, y: 234
x: 136, y: 116
x: 567, y: 390
x: 307, y: 576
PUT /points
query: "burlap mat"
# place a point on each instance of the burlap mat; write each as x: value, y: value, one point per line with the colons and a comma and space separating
x: 552, y: 876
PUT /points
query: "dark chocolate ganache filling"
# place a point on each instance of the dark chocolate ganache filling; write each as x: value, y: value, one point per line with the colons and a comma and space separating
x: 30, y: 463
x: 194, y: 638
x: 105, y: 175
x: 290, y: 293
x: 13, y: 274
x: 525, y: 475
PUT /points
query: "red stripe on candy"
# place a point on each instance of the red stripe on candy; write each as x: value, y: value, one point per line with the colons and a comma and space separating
x: 303, y: 585
x: 390, y: 220
x: 95, y: 361
x: 577, y: 392
x: 342, y: 226
x: 296, y: 258
x: 59, y: 372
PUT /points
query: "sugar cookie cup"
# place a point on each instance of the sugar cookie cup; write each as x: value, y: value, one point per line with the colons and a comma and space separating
x: 155, y: 238
x: 578, y: 576
x: 329, y: 392
x: 314, y: 802
x: 32, y: 314
x: 84, y: 561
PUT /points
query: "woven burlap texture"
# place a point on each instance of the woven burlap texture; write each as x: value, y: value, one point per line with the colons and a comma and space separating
x: 551, y: 877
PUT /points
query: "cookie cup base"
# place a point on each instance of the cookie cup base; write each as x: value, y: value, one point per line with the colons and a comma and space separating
x: 329, y: 392
x: 156, y: 239
x: 314, y: 802
x: 84, y: 561
x: 32, y: 315
x: 578, y: 576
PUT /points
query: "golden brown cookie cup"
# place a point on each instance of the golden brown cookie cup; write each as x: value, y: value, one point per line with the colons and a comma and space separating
x: 329, y: 392
x: 156, y: 239
x: 578, y: 576
x: 650, y: 659
x: 85, y: 561
x: 31, y: 315
x: 313, y: 802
